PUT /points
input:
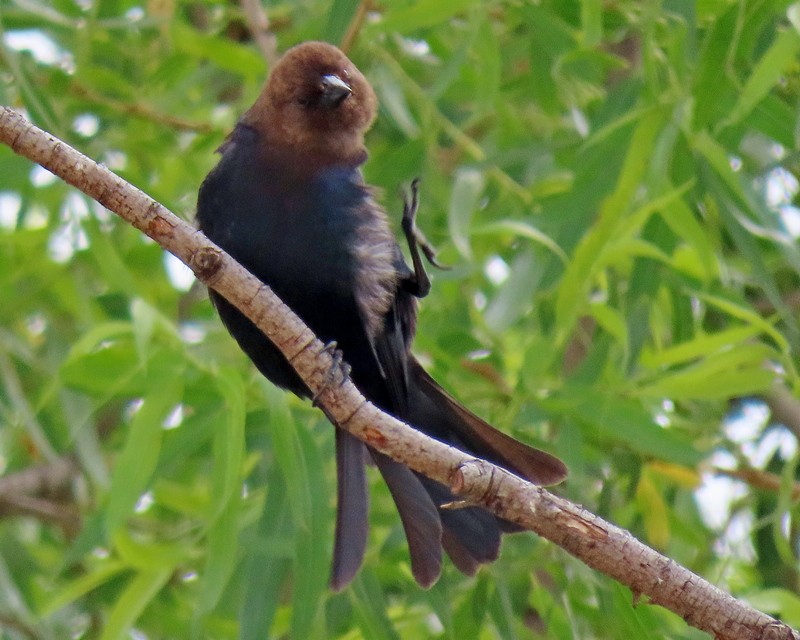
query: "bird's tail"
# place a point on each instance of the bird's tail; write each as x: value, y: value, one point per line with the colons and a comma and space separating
x: 470, y: 535
x: 434, y: 411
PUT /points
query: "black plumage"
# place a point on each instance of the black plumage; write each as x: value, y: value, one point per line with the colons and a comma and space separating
x: 288, y: 201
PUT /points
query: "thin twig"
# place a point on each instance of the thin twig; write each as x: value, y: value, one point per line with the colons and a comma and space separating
x: 140, y: 110
x: 784, y: 407
x: 43, y: 492
x: 759, y: 479
x: 354, y: 28
x: 599, y: 544
x: 259, y: 26
x: 15, y: 624
x: 44, y: 480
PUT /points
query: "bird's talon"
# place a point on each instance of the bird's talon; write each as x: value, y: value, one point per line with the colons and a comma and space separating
x: 330, y: 347
x: 345, y: 370
x: 430, y: 254
x: 456, y: 504
x: 338, y: 373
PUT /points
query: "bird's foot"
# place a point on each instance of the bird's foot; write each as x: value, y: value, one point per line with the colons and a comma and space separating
x: 415, y: 237
x: 338, y: 373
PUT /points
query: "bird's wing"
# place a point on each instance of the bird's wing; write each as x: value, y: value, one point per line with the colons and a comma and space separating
x: 387, y: 311
x: 391, y: 349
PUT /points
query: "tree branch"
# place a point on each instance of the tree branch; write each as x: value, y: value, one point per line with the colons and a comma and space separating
x: 785, y: 408
x: 599, y: 544
x: 43, y: 491
x: 354, y: 28
x: 139, y: 110
x: 259, y: 26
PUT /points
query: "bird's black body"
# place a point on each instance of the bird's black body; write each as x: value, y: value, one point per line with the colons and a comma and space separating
x: 295, y: 240
x: 303, y: 222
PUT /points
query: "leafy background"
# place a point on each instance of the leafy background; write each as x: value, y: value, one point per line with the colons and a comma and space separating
x: 613, y: 185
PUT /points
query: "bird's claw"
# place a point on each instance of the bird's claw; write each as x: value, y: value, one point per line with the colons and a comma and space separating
x: 457, y: 504
x: 338, y: 373
x: 411, y: 207
x: 414, y: 236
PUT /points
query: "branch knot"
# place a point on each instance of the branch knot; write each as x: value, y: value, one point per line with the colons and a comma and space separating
x: 206, y: 263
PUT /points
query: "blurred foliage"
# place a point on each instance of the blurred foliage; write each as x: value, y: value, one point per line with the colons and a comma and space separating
x: 612, y: 184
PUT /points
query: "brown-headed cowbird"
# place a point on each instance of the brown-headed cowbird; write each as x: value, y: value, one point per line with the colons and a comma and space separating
x: 288, y: 201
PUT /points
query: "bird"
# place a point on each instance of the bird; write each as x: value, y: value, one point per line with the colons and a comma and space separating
x: 288, y: 200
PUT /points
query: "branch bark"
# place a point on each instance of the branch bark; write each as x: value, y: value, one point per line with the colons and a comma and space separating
x: 44, y: 492
x: 785, y: 408
x: 259, y: 26
x: 599, y: 544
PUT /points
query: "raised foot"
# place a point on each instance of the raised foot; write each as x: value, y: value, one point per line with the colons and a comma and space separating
x: 415, y: 237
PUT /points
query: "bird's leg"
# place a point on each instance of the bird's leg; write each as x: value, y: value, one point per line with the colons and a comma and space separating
x: 419, y: 284
x: 338, y: 373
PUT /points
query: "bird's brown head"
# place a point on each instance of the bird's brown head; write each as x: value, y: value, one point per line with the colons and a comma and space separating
x: 317, y: 102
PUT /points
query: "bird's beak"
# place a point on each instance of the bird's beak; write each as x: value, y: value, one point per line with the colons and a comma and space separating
x: 334, y: 91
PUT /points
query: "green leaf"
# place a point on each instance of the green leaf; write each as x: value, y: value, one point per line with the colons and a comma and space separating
x: 521, y: 230
x: 516, y: 294
x: 139, y: 592
x: 580, y: 272
x: 288, y: 451
x: 747, y: 315
x: 97, y: 335
x: 683, y: 223
x: 485, y: 54
x: 340, y: 16
x: 699, y: 347
x: 228, y: 445
x: 225, y: 53
x: 655, y: 512
x: 111, y: 370
x: 137, y: 461
x: 370, y: 607
x: 765, y: 76
x: 611, y: 320
x: 467, y: 189
x: 80, y: 586
x: 633, y: 622
x: 424, y: 13
x: 267, y: 561
x: 148, y: 555
x: 143, y: 318
x: 623, y: 420
x: 312, y: 550
x: 394, y: 101
x: 222, y: 555
x: 592, y: 22
x: 779, y: 602
x: 740, y: 371
x: 471, y: 613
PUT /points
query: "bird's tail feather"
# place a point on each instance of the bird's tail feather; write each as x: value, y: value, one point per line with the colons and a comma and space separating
x: 470, y: 535
x: 435, y: 411
x: 419, y: 516
x: 350, y: 539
